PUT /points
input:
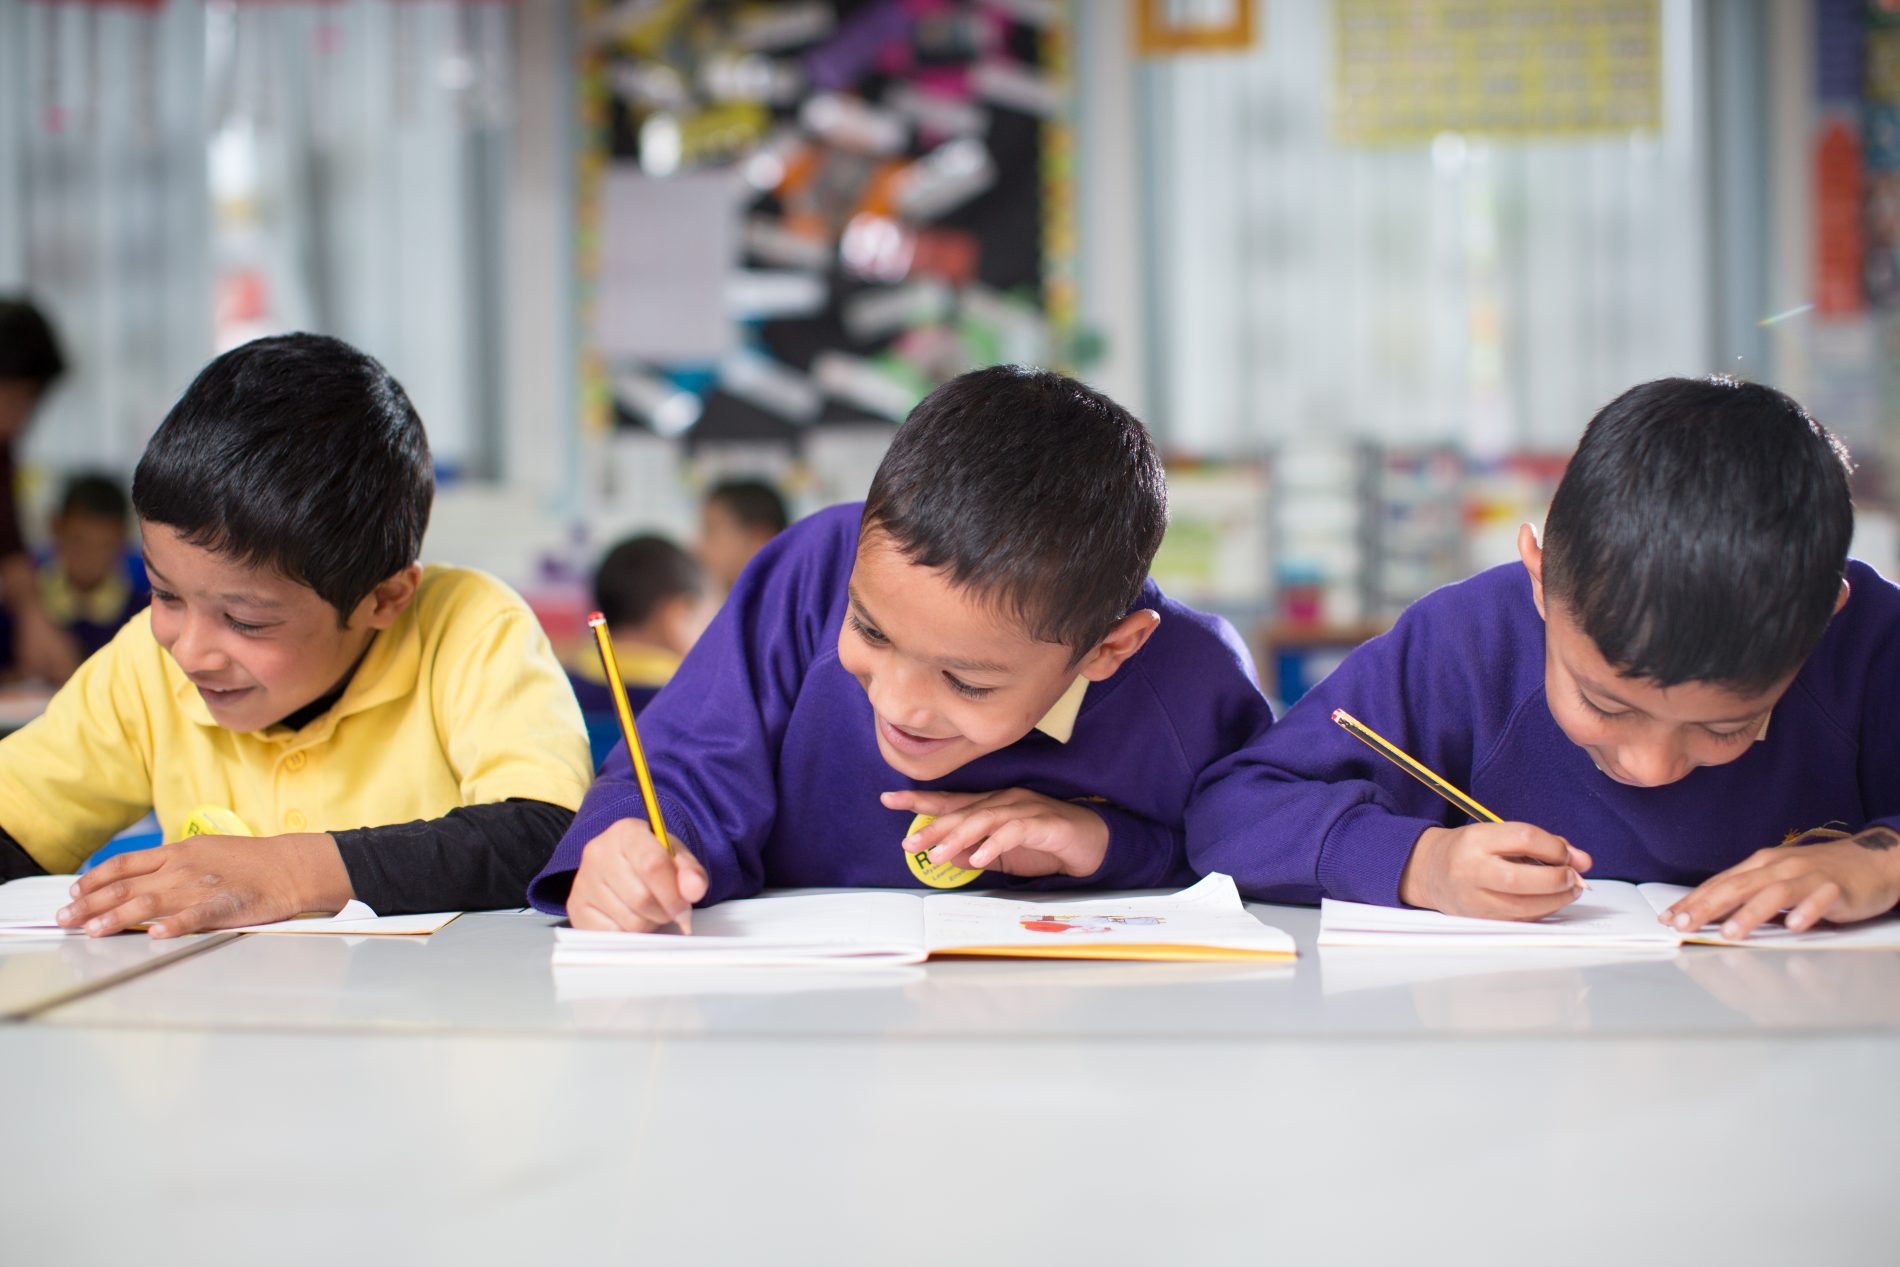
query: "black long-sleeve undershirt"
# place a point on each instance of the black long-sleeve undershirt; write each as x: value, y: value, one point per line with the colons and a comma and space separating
x: 474, y: 858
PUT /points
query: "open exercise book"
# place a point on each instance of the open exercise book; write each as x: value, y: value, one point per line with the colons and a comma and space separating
x: 1611, y: 914
x: 27, y: 907
x: 1205, y: 922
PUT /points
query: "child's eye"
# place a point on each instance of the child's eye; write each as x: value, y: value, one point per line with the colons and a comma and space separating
x: 1606, y: 715
x: 870, y: 635
x: 1732, y: 736
x: 966, y: 690
x: 243, y: 628
x: 163, y: 596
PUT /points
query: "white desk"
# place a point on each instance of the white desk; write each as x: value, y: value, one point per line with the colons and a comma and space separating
x: 281, y: 1098
x: 490, y: 973
x: 37, y: 972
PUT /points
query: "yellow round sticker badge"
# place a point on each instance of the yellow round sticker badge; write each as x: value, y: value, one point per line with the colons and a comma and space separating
x: 938, y: 875
x: 215, y: 820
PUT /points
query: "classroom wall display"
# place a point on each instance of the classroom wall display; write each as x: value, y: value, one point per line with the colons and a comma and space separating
x: 1168, y: 27
x: 1407, y: 70
x: 801, y: 216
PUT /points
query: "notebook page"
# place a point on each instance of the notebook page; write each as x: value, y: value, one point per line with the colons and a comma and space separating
x: 1610, y: 913
x: 1206, y: 918
x: 356, y: 919
x: 27, y: 905
x: 1874, y: 934
x: 846, y: 929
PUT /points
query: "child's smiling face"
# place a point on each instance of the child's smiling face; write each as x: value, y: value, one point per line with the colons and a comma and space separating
x: 257, y: 645
x: 950, y: 678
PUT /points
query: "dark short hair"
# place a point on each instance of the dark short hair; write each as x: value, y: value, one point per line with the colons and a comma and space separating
x: 641, y: 573
x: 28, y: 347
x: 1700, y: 533
x: 1031, y: 489
x: 97, y: 495
x: 754, y: 503
x: 298, y: 453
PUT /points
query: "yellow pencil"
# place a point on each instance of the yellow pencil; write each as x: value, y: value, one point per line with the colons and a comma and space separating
x: 1385, y: 748
x: 611, y: 666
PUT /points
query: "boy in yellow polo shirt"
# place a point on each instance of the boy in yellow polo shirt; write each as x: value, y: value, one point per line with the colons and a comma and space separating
x: 390, y: 733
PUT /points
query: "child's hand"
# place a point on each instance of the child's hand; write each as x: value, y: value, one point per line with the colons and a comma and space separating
x: 1841, y: 881
x: 1493, y: 871
x: 627, y: 882
x: 1016, y: 831
x: 208, y: 882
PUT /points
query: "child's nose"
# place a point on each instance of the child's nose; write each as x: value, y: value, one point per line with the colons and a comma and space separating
x: 1652, y: 765
x: 194, y: 648
x: 896, y: 696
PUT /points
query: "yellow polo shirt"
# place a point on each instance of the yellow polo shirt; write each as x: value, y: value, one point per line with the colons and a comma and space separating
x: 460, y: 702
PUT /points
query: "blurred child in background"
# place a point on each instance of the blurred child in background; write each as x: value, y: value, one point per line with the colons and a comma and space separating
x: 30, y: 363
x: 737, y: 519
x: 90, y: 582
x: 653, y: 595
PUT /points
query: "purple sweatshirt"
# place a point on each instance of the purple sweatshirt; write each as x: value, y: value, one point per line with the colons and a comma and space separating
x: 765, y: 758
x: 1459, y: 684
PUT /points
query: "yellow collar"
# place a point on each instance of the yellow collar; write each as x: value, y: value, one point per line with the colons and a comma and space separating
x: 1059, y: 722
x: 389, y: 671
x: 103, y: 604
x: 640, y: 665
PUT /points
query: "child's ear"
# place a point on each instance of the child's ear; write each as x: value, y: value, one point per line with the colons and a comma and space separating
x: 391, y: 597
x: 1842, y: 600
x: 1126, y: 638
x: 1533, y: 556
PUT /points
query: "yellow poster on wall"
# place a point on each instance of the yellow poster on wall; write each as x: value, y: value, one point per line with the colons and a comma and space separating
x: 1407, y: 70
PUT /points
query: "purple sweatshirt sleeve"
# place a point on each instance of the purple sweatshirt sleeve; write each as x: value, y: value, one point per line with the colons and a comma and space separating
x: 1304, y: 810
x: 713, y: 734
x: 1870, y: 677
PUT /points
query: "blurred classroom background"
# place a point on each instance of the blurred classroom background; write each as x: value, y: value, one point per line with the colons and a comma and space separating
x: 1365, y: 267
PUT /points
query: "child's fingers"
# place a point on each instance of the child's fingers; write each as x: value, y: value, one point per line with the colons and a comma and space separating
x: 1516, y: 906
x: 1525, y: 879
x: 918, y: 802
x: 1521, y: 840
x: 1712, y: 900
x: 652, y: 868
x: 617, y: 892
x: 98, y: 902
x: 692, y: 876
x: 601, y: 910
x: 1814, y: 908
x: 193, y: 919
x: 1013, y: 834
x: 1580, y: 862
x: 968, y: 829
x: 137, y: 909
x: 1766, y: 903
x: 119, y: 868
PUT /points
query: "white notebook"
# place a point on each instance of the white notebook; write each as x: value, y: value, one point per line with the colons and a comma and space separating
x: 1612, y: 914
x: 1205, y: 922
x: 27, y: 907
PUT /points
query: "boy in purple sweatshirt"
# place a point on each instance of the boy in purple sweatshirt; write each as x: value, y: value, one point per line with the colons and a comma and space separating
x: 979, y: 642
x: 1686, y: 675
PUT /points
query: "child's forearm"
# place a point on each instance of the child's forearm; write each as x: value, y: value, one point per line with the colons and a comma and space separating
x: 15, y: 862
x: 316, y: 869
x: 478, y: 857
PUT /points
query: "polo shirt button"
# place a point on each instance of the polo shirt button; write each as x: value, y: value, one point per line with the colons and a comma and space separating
x: 295, y: 760
x: 295, y: 820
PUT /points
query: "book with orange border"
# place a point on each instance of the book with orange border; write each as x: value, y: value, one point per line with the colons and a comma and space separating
x: 870, y: 927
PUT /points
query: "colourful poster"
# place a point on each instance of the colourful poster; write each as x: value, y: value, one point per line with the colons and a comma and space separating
x: 1407, y: 70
